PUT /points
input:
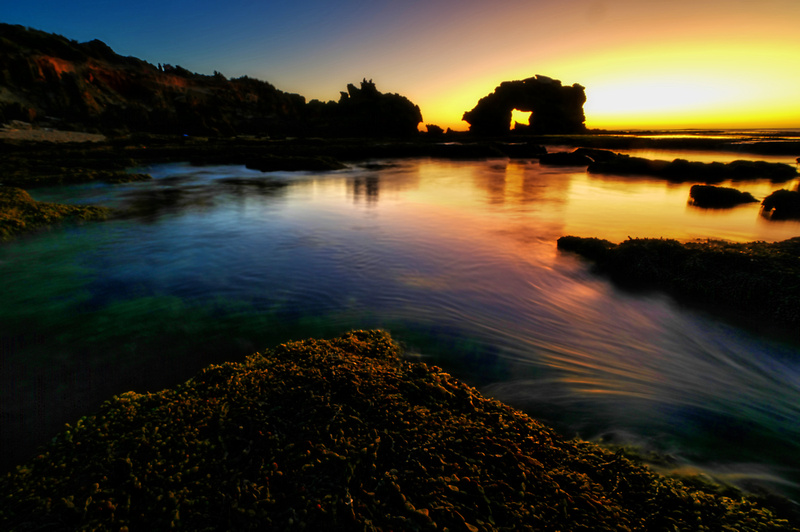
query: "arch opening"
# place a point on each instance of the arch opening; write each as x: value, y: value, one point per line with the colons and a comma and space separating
x: 520, y: 118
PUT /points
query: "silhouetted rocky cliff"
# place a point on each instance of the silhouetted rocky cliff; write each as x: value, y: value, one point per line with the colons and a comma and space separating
x: 50, y: 80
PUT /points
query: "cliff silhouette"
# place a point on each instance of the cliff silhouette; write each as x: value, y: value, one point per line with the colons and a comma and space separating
x: 50, y: 80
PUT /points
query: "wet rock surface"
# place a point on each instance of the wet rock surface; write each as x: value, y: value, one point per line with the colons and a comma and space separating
x: 757, y: 281
x: 344, y: 435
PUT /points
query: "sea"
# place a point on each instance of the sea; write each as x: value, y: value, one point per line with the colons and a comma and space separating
x: 456, y: 259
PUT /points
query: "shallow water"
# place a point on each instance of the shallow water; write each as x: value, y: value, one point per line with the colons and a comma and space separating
x: 457, y: 260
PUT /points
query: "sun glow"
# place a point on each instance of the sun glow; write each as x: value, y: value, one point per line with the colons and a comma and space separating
x: 522, y: 117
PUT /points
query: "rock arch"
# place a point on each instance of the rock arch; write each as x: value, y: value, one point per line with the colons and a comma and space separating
x: 555, y: 108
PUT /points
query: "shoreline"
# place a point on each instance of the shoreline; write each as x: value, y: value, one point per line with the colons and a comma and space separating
x: 347, y: 433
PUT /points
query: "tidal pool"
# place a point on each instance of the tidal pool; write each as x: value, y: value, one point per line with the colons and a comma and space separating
x: 457, y: 260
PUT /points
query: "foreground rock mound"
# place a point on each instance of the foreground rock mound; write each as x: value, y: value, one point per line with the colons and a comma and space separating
x: 342, y: 435
x: 555, y: 108
x: 755, y: 280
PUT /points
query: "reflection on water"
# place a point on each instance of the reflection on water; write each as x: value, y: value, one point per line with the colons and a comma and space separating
x: 456, y: 259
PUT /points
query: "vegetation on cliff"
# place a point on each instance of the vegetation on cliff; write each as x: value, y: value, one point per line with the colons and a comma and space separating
x: 343, y: 435
x: 758, y: 280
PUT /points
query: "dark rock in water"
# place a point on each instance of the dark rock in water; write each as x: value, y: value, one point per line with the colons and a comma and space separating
x: 596, y: 154
x: 718, y: 197
x: 681, y: 170
x: 555, y: 108
x: 464, y: 151
x: 272, y: 163
x: 564, y: 158
x: 522, y: 150
x: 781, y: 205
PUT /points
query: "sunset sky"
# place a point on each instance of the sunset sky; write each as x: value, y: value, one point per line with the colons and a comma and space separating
x: 645, y: 64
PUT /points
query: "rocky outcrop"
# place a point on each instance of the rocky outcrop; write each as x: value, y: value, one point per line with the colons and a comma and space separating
x: 48, y: 80
x: 555, y: 108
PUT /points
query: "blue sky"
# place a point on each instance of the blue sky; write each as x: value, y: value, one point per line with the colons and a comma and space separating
x: 659, y: 63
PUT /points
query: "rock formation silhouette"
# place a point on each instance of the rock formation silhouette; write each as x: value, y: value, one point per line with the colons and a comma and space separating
x: 555, y: 108
x: 49, y: 80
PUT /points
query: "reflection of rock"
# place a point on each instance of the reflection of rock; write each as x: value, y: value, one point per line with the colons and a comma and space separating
x: 681, y: 170
x: 556, y: 109
x: 718, y: 197
x: 365, y: 112
x: 782, y: 205
x: 366, y: 187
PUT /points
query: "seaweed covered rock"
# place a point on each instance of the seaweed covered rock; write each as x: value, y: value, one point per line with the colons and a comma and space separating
x: 754, y: 280
x: 19, y: 212
x: 782, y: 205
x: 718, y: 197
x: 342, y: 435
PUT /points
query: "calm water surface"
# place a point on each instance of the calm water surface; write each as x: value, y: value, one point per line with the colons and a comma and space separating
x: 457, y: 260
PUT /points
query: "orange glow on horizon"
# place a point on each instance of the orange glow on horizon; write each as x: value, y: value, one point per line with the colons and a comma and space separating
x: 701, y: 83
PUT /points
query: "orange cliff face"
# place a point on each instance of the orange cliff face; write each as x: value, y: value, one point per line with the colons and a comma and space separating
x: 55, y: 65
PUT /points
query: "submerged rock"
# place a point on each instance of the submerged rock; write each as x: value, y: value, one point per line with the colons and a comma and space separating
x: 343, y: 435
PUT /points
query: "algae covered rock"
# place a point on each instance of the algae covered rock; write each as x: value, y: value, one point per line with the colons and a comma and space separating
x: 341, y: 435
x: 755, y: 280
x: 19, y: 212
